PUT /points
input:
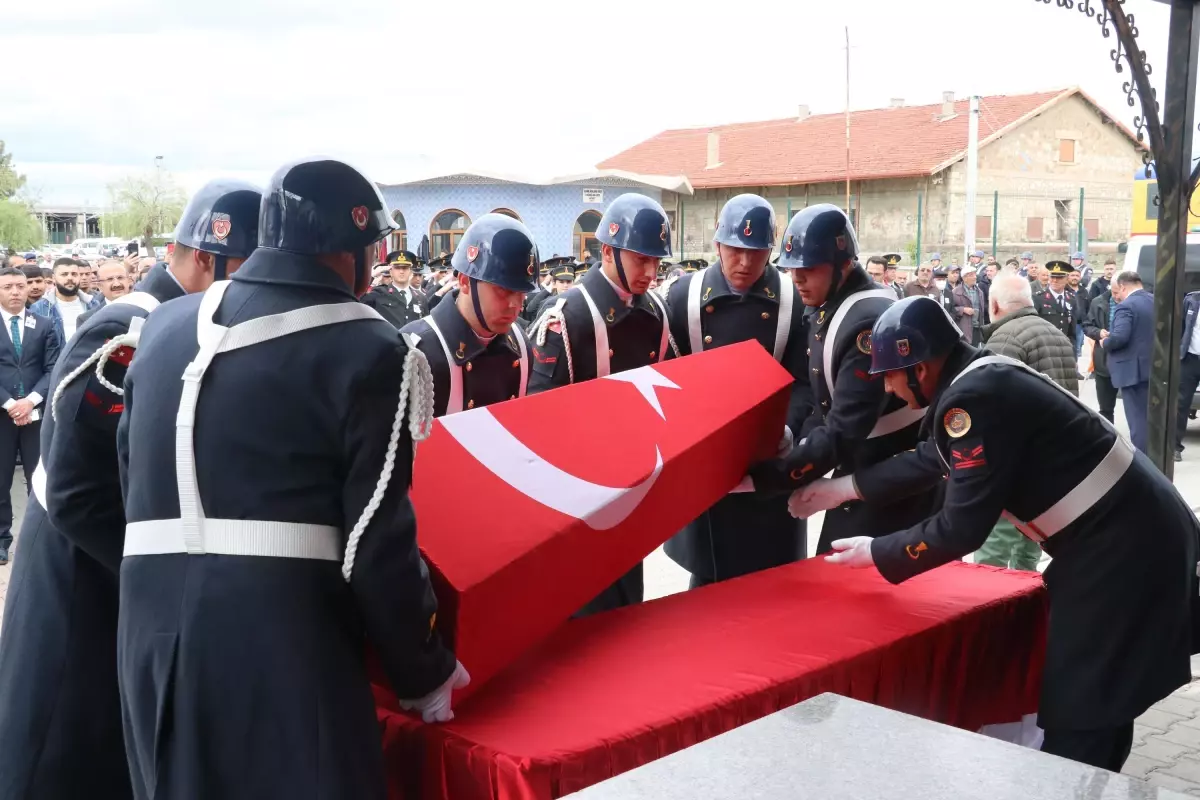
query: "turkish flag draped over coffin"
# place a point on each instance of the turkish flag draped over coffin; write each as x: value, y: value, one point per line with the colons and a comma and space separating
x: 528, y: 509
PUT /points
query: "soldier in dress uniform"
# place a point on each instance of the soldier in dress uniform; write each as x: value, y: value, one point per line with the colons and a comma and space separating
x: 270, y: 534
x: 560, y: 276
x: 1015, y: 444
x: 398, y: 303
x: 891, y: 268
x: 1056, y: 302
x: 441, y: 284
x: 609, y: 322
x: 855, y: 423
x: 742, y: 298
x: 60, y: 731
x: 476, y: 352
x: 381, y: 275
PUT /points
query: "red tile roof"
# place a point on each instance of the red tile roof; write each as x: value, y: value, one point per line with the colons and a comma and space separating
x: 885, y: 143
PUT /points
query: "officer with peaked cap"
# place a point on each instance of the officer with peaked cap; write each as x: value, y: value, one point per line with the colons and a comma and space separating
x: 1056, y: 302
x: 741, y: 299
x: 1013, y: 443
x: 380, y: 275
x: 560, y: 274
x: 270, y: 535
x: 891, y: 263
x: 398, y: 302
x: 477, y: 355
x: 60, y: 731
x: 609, y: 322
x: 855, y: 423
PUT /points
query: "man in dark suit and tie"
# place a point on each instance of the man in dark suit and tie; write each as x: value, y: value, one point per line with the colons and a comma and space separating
x: 27, y: 354
x: 1128, y: 346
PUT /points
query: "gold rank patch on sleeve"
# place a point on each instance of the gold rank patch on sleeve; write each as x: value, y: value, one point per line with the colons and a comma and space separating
x: 864, y: 342
x: 957, y: 422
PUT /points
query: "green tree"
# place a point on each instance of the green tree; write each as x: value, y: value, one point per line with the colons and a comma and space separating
x: 19, y: 228
x: 145, y: 206
x: 10, y: 181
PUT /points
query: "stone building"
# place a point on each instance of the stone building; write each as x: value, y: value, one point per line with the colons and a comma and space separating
x: 1055, y: 170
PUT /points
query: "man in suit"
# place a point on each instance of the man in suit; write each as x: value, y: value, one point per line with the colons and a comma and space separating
x: 1096, y: 326
x: 1189, y: 368
x: 27, y: 354
x: 1128, y: 346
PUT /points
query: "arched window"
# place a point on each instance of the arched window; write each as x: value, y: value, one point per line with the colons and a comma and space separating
x: 399, y: 239
x: 447, y: 228
x: 508, y: 212
x: 585, y: 241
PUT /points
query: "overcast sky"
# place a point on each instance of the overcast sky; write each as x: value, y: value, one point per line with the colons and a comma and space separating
x: 94, y: 89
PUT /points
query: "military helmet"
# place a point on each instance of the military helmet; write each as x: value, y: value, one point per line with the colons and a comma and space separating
x: 746, y: 221
x: 498, y: 249
x: 636, y: 222
x: 820, y: 234
x: 910, y: 331
x: 318, y: 205
x: 222, y: 219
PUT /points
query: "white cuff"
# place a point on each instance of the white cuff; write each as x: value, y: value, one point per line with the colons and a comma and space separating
x: 8, y: 404
x: 34, y: 398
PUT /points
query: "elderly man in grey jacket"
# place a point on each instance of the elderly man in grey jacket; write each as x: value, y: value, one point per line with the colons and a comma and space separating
x: 1018, y: 332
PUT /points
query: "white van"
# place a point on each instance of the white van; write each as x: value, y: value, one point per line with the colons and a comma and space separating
x: 87, y: 249
x: 1140, y: 258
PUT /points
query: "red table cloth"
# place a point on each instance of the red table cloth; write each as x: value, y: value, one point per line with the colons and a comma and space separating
x: 962, y: 645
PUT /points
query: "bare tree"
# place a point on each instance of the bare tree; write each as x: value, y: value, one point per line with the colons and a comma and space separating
x: 145, y: 206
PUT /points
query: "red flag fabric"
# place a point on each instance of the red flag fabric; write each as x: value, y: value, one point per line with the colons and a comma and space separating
x: 523, y: 519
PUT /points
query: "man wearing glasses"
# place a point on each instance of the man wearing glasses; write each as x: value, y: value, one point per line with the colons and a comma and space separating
x: 112, y: 278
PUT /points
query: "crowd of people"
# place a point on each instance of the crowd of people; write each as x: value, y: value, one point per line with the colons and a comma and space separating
x: 220, y: 519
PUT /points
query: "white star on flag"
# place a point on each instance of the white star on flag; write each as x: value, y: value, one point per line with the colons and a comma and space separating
x: 647, y: 380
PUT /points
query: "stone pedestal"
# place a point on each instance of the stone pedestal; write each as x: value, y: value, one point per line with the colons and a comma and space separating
x: 833, y: 748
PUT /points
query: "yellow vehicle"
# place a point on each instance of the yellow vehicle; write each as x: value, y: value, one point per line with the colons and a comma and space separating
x: 1145, y: 206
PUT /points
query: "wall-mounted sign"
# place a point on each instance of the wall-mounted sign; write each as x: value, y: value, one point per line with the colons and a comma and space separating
x: 593, y: 195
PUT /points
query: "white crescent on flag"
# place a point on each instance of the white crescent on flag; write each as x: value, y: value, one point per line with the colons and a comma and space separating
x: 507, y: 457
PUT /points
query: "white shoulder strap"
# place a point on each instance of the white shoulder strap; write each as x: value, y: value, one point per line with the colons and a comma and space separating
x: 1012, y: 362
x: 214, y: 339
x: 836, y: 323
x: 664, y: 342
x: 889, y: 423
x: 783, y: 325
x: 454, y: 401
x: 603, y: 365
x: 524, y: 348
x: 143, y: 300
x: 695, y: 339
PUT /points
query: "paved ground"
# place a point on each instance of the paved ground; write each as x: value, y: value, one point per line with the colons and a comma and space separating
x: 1166, y: 748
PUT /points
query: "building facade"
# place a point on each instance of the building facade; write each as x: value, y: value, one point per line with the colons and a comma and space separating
x: 1055, y: 174
x: 563, y: 213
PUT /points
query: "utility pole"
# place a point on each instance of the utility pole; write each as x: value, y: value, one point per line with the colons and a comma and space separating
x: 972, y: 179
x: 847, y: 120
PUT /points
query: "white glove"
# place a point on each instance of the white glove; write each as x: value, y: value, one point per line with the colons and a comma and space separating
x: 822, y: 495
x: 435, y: 706
x: 853, y: 552
x: 785, y: 443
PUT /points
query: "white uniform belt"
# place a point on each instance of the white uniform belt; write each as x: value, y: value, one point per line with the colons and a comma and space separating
x: 236, y: 537
x: 1086, y: 494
